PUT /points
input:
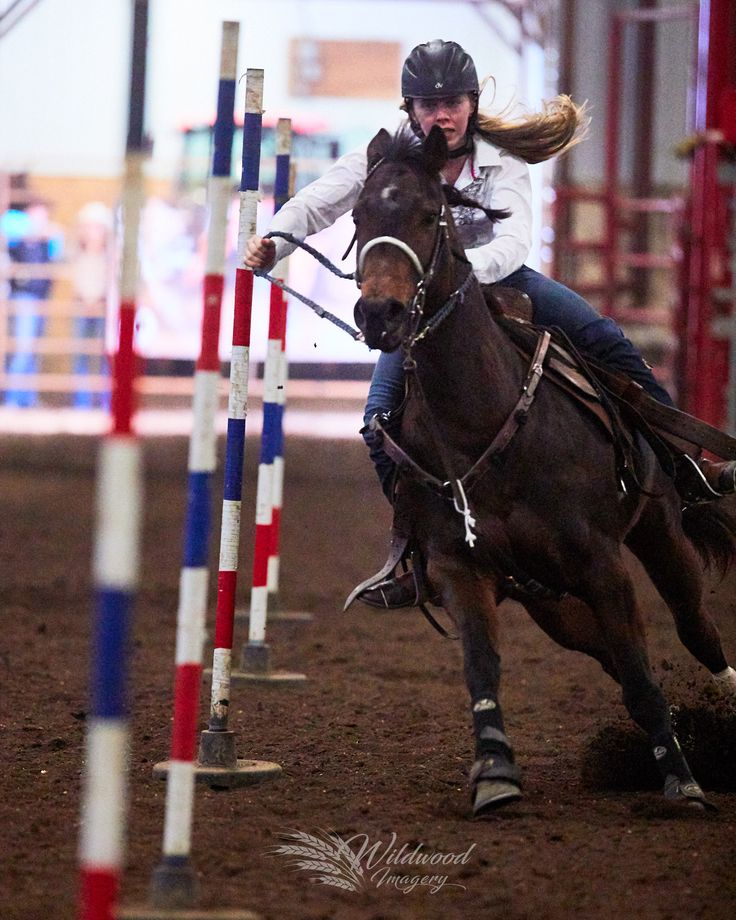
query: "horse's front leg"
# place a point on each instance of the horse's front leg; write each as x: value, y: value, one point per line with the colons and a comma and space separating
x: 494, y: 778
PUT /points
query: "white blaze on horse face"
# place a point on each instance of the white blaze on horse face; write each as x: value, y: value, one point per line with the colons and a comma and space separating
x: 389, y: 193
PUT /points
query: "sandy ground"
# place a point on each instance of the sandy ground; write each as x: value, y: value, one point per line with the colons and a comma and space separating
x: 375, y: 746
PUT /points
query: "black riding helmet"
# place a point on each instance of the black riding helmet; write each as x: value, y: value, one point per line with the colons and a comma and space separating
x: 435, y: 70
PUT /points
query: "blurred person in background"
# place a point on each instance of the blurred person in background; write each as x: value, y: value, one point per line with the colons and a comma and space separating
x: 33, y: 243
x: 92, y: 276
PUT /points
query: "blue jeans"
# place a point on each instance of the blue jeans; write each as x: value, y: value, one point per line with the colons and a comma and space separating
x: 553, y: 305
x: 26, y: 325
x: 90, y: 327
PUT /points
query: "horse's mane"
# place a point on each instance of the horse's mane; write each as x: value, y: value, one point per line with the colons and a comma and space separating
x: 405, y: 147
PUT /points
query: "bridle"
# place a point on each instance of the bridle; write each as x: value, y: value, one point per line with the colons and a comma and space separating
x: 418, y: 329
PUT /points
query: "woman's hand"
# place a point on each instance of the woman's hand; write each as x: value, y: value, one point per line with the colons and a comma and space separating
x: 260, y: 253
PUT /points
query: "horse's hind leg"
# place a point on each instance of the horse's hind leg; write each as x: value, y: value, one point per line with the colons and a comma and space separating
x: 571, y: 624
x: 610, y: 593
x: 674, y: 567
x: 494, y: 778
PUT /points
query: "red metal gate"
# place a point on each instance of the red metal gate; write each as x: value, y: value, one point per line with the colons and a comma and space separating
x: 701, y: 221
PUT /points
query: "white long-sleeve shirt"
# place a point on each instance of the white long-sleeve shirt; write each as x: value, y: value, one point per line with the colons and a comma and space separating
x: 493, y: 178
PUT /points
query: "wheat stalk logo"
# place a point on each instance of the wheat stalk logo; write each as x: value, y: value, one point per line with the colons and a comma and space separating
x: 327, y: 855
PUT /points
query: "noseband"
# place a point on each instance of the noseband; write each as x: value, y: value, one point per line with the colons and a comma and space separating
x: 416, y: 306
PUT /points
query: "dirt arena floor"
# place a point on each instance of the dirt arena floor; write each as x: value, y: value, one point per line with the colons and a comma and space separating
x: 375, y: 746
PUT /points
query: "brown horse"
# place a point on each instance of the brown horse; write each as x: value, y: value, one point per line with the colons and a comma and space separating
x: 544, y: 510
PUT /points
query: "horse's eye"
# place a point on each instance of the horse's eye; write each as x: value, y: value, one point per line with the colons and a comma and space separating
x: 429, y: 219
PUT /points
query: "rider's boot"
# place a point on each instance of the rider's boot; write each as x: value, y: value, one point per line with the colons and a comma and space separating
x: 720, y: 476
x: 393, y: 589
x: 407, y: 589
x: 392, y: 593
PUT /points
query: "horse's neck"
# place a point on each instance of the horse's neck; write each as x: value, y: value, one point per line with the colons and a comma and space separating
x: 468, y: 370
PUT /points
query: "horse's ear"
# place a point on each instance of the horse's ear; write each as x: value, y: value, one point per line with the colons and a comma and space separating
x: 435, y: 150
x: 378, y: 147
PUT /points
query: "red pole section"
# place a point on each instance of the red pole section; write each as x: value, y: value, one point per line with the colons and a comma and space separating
x: 706, y: 366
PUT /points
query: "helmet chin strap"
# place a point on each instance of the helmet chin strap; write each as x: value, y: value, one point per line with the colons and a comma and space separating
x: 464, y: 150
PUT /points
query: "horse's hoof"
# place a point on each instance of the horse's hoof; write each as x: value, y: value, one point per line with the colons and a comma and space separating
x: 689, y: 794
x: 492, y: 794
x: 495, y: 781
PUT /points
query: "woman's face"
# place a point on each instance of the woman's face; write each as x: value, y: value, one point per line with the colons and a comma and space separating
x: 451, y: 113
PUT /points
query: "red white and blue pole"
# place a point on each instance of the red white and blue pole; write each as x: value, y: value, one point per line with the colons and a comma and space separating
x: 116, y: 563
x: 218, y: 761
x: 272, y: 434
x: 282, y: 192
x: 255, y: 663
x: 174, y: 880
x: 237, y: 406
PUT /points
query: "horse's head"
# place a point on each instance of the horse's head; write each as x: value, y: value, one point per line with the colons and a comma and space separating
x: 400, y: 223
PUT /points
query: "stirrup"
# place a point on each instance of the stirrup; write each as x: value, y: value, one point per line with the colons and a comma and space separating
x: 396, y: 553
x: 691, y: 483
x: 380, y: 583
x: 395, y: 593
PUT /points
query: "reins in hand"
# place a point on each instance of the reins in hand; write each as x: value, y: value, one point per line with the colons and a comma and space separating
x: 323, y: 260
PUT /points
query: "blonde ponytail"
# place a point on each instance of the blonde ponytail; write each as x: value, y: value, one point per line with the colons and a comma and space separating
x: 559, y: 126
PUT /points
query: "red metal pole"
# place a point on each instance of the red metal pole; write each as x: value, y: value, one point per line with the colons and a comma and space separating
x: 613, y: 110
x: 706, y: 366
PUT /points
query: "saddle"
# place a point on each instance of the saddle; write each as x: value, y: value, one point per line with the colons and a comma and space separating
x: 609, y: 395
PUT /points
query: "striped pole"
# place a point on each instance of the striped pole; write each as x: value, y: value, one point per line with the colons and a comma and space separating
x: 285, y: 173
x: 217, y: 744
x: 174, y: 882
x: 282, y: 192
x: 116, y: 553
x: 274, y: 559
x: 255, y: 660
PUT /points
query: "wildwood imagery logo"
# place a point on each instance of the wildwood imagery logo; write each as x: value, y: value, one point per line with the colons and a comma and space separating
x: 355, y: 863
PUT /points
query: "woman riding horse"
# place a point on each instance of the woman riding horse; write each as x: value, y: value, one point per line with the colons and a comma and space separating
x: 487, y: 162
x: 511, y: 486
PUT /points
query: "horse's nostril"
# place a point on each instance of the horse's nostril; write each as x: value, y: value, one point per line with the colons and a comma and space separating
x: 395, y: 309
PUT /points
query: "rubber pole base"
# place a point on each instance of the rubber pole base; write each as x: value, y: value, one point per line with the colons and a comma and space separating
x: 269, y: 678
x: 187, y: 913
x: 244, y: 773
x: 277, y: 616
x: 217, y: 749
x: 254, y: 678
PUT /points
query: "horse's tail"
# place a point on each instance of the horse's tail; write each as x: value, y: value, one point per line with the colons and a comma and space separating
x: 712, y: 530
